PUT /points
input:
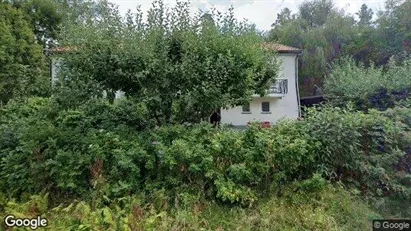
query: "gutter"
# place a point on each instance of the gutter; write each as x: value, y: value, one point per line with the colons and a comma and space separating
x: 296, y: 83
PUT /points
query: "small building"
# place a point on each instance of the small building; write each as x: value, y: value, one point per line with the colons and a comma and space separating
x: 282, y: 99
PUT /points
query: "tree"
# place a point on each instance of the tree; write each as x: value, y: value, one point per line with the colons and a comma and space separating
x: 44, y: 18
x: 321, y: 31
x: 365, y: 15
x: 183, y: 68
x: 393, y: 30
x: 21, y: 60
x: 316, y: 12
x: 404, y: 24
x: 283, y: 17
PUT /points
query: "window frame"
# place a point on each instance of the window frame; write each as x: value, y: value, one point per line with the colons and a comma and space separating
x: 246, y: 111
x: 262, y: 107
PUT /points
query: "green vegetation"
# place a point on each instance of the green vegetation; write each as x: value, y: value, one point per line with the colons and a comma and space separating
x: 372, y: 87
x: 183, y: 68
x: 326, y: 33
x: 149, y: 161
x: 22, y: 64
x: 43, y: 17
x: 98, y: 158
x: 326, y: 208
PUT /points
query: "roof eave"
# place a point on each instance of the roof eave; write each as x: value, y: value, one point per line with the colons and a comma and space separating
x: 290, y: 52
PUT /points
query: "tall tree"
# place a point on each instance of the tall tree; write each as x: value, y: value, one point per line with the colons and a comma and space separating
x: 325, y: 34
x: 182, y: 67
x: 392, y: 30
x: 21, y: 59
x: 283, y: 17
x: 403, y: 15
x: 316, y: 12
x: 44, y: 18
x: 365, y: 15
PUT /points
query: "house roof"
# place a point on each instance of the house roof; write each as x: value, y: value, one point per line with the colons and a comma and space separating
x: 280, y: 48
x: 63, y: 49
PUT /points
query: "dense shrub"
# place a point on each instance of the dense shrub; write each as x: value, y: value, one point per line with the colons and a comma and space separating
x: 66, y: 152
x: 360, y: 147
x: 365, y: 151
x: 124, y: 113
x: 76, y: 153
x: 368, y: 87
x: 109, y: 154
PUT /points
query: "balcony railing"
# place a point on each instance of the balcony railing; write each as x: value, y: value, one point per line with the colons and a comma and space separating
x: 279, y: 87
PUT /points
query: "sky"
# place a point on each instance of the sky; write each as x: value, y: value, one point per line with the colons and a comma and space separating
x: 260, y: 12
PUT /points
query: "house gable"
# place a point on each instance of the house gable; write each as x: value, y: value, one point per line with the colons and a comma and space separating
x: 282, y: 99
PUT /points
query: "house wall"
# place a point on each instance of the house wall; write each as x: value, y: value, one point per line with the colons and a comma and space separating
x: 55, y: 68
x: 285, y: 107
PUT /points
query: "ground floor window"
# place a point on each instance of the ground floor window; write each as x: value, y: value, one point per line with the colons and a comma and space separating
x: 265, y: 106
x: 246, y: 108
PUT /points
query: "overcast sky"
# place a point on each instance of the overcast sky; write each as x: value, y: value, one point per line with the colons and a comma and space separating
x: 261, y: 12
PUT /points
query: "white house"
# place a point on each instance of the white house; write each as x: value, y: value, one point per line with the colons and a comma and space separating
x: 57, y: 61
x: 282, y: 100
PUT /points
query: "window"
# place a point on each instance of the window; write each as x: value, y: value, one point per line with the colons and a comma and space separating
x: 246, y: 108
x: 265, y: 106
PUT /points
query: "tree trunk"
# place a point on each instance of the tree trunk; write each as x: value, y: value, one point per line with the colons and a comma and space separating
x: 111, y: 95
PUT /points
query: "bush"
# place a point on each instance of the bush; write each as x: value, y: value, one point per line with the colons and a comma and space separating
x: 365, y: 151
x: 64, y: 152
x: 99, y: 157
x: 371, y: 87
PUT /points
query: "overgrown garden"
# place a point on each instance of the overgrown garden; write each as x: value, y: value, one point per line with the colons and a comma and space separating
x: 149, y: 161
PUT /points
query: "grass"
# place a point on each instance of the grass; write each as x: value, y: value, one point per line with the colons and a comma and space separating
x: 329, y: 208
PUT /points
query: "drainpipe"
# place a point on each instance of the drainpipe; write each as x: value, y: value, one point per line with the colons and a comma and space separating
x: 47, y: 54
x: 296, y: 83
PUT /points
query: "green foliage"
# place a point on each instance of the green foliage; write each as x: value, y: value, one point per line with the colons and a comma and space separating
x: 102, y: 151
x: 183, y: 68
x: 326, y: 33
x: 328, y: 208
x: 366, y: 151
x: 365, y: 15
x: 93, y: 149
x: 316, y: 12
x: 370, y: 87
x: 393, y: 24
x: 67, y: 151
x: 345, y: 128
x: 22, y: 63
x: 315, y: 184
x: 43, y: 17
x: 174, y: 69
x: 283, y: 17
